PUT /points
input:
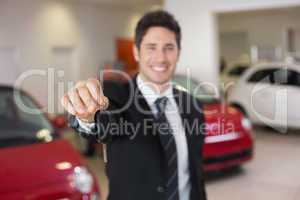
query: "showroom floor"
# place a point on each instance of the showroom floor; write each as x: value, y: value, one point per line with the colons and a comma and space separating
x: 274, y: 174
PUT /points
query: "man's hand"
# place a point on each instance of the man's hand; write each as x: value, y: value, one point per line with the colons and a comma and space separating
x: 85, y: 99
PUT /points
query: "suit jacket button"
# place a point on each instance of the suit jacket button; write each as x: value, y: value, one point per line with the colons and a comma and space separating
x: 160, y: 189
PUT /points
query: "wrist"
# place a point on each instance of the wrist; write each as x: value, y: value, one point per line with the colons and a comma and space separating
x: 87, y: 120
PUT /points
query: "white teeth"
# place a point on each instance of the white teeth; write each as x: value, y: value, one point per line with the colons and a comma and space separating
x: 159, y: 69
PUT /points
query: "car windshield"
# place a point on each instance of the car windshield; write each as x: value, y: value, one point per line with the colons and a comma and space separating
x: 194, y: 88
x: 18, y: 126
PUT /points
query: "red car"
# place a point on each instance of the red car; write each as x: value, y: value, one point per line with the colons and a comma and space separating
x: 229, y: 139
x: 35, y: 163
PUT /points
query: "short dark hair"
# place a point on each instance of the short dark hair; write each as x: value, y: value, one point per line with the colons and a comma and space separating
x: 158, y: 18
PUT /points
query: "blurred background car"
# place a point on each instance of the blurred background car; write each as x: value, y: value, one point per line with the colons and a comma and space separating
x: 35, y: 162
x: 230, y: 77
x: 269, y: 94
x: 229, y: 140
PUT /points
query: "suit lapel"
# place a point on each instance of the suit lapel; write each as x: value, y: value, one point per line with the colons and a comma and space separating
x: 188, y: 116
x: 184, y: 103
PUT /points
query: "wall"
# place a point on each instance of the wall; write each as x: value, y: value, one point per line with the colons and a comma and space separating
x: 233, y: 46
x: 200, y: 40
x: 45, y: 34
x: 265, y: 27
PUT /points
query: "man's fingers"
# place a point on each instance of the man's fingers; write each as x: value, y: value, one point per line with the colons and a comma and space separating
x: 76, y: 102
x: 87, y: 99
x: 95, y: 89
x: 65, y: 101
x: 104, y: 103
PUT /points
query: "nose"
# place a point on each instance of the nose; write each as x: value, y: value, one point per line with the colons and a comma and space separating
x: 160, y: 56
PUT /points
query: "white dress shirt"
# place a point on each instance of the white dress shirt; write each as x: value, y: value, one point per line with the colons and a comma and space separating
x: 174, y: 119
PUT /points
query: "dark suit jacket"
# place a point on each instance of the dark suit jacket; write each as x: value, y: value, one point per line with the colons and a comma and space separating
x: 136, y: 164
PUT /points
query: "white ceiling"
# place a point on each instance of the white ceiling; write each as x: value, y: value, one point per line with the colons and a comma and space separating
x: 294, y: 9
x: 127, y: 2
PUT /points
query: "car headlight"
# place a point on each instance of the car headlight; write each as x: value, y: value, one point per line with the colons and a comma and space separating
x: 246, y: 123
x: 82, y: 180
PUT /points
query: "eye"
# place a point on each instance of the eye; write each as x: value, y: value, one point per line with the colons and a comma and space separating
x: 169, y: 48
x: 151, y: 48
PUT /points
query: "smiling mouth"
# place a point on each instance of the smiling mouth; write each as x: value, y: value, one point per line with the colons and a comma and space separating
x: 159, y: 68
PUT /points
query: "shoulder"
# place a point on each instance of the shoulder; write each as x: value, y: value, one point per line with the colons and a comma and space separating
x: 188, y: 98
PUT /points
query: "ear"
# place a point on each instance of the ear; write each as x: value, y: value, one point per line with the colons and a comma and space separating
x: 136, y: 53
x: 179, y: 53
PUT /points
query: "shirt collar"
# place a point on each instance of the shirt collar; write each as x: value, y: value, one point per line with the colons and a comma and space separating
x: 150, y: 94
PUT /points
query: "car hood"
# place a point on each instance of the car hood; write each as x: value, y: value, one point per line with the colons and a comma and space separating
x: 36, y: 165
x: 221, y: 118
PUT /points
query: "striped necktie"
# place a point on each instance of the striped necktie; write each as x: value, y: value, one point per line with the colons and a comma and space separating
x: 168, y: 142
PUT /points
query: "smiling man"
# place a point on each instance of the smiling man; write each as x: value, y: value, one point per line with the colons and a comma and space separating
x: 160, y: 156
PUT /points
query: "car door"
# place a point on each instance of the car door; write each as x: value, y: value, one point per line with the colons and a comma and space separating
x: 293, y: 87
x: 264, y: 96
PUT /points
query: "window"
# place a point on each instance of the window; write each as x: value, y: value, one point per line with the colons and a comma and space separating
x: 287, y: 77
x: 18, y: 127
x: 279, y: 76
x: 263, y: 76
x: 294, y: 78
x: 194, y: 88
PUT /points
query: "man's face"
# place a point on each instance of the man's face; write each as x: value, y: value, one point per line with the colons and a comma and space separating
x: 158, y: 55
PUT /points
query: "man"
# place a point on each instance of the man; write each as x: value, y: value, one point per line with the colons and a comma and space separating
x: 154, y: 146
